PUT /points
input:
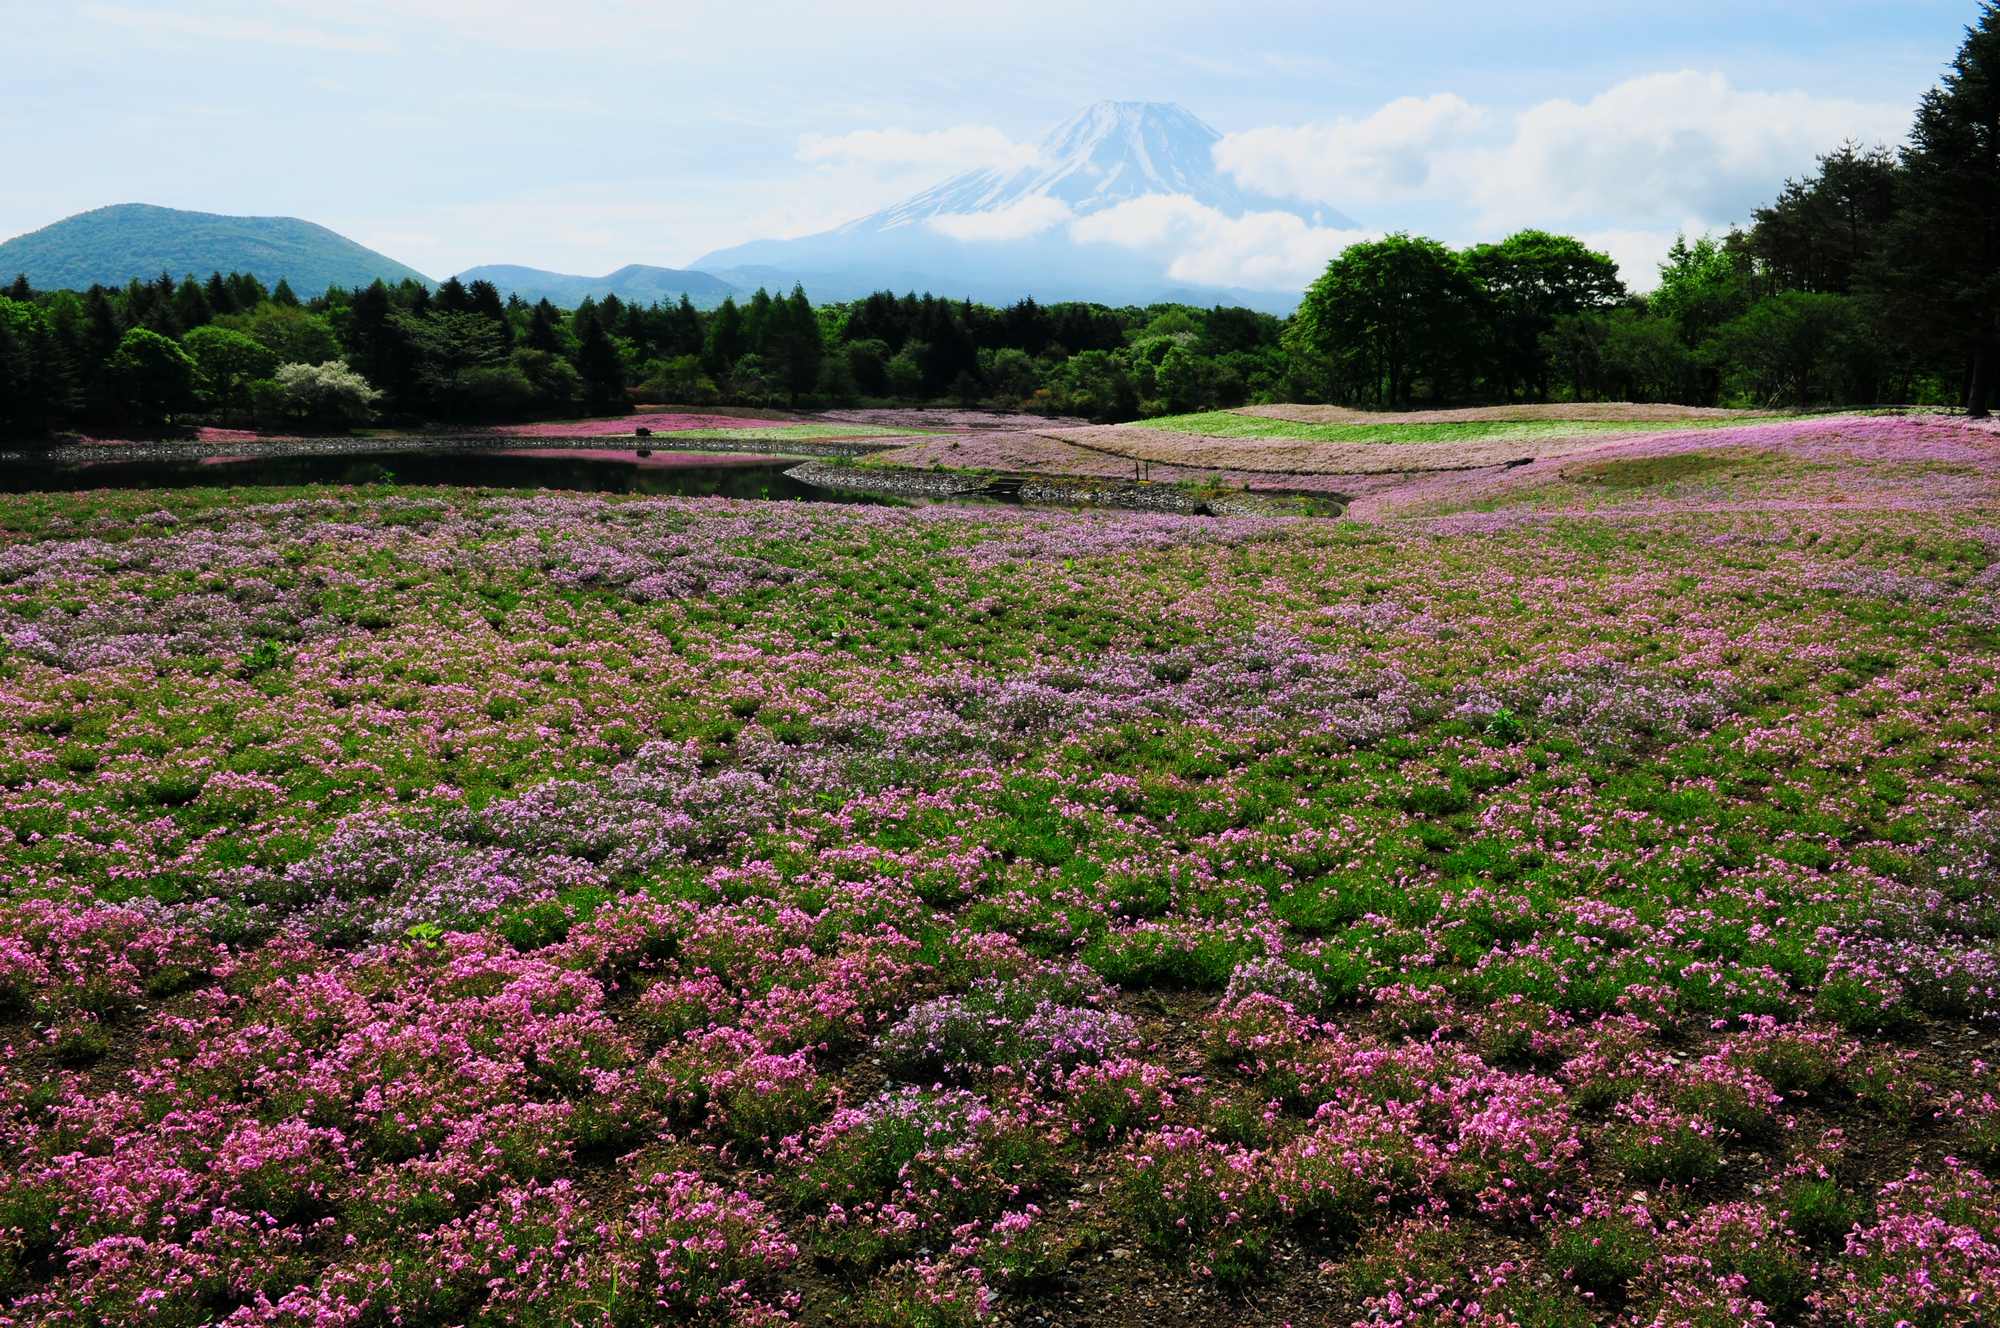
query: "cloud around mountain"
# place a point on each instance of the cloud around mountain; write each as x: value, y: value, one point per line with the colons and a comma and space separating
x: 1130, y: 197
x: 1089, y: 212
x: 1139, y: 201
x: 1631, y: 167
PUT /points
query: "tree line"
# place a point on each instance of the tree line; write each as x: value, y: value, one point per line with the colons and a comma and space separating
x: 1874, y: 279
x: 229, y: 351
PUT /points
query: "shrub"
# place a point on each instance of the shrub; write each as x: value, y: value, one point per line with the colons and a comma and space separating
x: 767, y: 1099
x: 1351, y: 1165
x: 1602, y: 1255
x: 1187, y: 1193
x: 1277, y: 979
x: 880, y: 1177
x: 1657, y: 1144
x: 1029, y: 1024
x: 1117, y: 1097
x: 688, y: 1251
x: 924, y: 1294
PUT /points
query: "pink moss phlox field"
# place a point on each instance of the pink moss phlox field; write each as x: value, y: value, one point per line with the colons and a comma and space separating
x: 1570, y: 904
x: 1869, y: 463
x: 665, y: 422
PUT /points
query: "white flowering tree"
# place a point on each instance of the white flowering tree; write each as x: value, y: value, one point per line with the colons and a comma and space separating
x: 328, y: 395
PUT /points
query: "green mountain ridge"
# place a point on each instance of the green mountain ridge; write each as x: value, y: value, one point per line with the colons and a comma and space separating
x: 111, y: 246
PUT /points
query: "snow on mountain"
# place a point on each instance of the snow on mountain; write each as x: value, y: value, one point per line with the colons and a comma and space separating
x: 1104, y: 155
x: 1003, y: 232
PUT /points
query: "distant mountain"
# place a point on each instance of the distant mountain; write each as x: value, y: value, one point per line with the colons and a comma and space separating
x: 1102, y: 156
x: 634, y: 283
x: 112, y: 245
x: 998, y: 234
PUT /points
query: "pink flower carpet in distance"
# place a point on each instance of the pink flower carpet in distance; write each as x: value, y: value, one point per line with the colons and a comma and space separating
x: 620, y: 425
x: 1568, y: 904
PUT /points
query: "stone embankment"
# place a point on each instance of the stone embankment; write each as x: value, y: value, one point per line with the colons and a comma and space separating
x: 1064, y: 491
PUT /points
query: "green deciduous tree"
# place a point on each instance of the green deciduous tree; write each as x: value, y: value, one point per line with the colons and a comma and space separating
x: 287, y: 331
x: 1798, y: 348
x: 1387, y: 319
x: 447, y: 350
x: 153, y: 379
x: 35, y: 387
x: 558, y: 386
x: 229, y: 362
x: 1533, y: 278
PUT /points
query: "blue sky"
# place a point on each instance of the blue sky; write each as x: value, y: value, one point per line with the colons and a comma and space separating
x: 587, y: 134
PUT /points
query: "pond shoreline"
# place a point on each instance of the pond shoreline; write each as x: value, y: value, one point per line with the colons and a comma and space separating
x: 1066, y: 491
x: 192, y: 449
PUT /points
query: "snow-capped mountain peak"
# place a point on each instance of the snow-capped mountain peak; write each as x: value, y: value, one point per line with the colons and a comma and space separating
x: 1024, y: 228
x: 1104, y: 155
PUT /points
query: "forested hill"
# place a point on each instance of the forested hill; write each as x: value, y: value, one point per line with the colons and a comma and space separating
x: 111, y: 246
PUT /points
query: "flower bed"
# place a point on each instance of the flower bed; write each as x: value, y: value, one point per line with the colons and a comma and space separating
x: 447, y: 908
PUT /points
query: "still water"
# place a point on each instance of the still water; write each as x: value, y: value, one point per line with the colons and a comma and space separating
x: 524, y: 468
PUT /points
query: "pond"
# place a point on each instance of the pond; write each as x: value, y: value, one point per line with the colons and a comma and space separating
x: 591, y: 471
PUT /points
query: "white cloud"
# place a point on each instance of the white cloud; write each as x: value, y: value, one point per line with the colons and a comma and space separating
x: 964, y: 147
x: 1651, y: 152
x: 1199, y: 245
x: 1663, y: 146
x: 1394, y: 153
x: 1017, y: 221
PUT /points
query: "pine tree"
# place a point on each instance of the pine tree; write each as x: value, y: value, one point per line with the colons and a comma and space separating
x: 543, y: 334
x: 246, y: 290
x: 483, y: 298
x: 1937, y: 277
x: 102, y: 331
x: 221, y: 299
x: 684, y: 329
x: 191, y: 306
x: 20, y: 290
x: 758, y: 324
x: 599, y: 365
x: 800, y: 349
x: 372, y: 345
x: 725, y: 342
x: 453, y: 298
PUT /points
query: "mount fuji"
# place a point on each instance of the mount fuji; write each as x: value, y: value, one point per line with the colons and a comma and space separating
x: 1002, y: 233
